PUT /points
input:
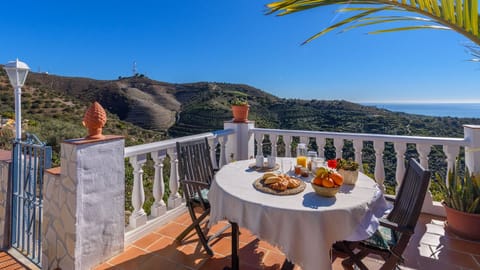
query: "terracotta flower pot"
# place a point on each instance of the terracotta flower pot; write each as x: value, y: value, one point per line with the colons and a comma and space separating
x: 349, y: 177
x: 240, y: 113
x: 463, y: 224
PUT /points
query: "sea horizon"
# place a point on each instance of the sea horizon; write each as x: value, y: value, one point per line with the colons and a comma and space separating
x: 443, y: 109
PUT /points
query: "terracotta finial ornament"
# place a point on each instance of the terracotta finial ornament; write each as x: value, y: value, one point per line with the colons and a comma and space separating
x: 94, y: 120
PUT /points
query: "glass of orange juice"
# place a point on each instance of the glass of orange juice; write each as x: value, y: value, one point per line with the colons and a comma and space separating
x: 302, y: 161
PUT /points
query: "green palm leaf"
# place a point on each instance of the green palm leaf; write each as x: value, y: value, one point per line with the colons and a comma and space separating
x: 460, y: 16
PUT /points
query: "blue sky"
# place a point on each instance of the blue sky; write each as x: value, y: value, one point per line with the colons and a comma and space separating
x: 233, y: 41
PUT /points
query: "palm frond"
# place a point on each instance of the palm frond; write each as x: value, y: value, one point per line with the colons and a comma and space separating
x: 460, y: 16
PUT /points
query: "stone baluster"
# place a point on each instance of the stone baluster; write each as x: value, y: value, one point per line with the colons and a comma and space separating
x: 379, y: 146
x: 304, y: 139
x: 321, y: 146
x: 451, y: 152
x: 223, y: 156
x: 358, y: 147
x: 400, y: 149
x: 138, y: 217
x: 423, y: 151
x: 273, y: 141
x: 338, y: 143
x: 212, y: 143
x: 174, y: 200
x: 159, y: 207
x: 259, y: 140
x: 288, y: 145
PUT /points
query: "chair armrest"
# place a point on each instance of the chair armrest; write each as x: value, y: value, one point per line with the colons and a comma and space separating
x: 394, y: 226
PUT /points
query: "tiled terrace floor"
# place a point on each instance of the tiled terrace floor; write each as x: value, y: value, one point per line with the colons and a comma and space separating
x: 430, y: 248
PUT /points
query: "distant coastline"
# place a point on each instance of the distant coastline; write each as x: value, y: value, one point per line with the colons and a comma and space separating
x: 466, y: 110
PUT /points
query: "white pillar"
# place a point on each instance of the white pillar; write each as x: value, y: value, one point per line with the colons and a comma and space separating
x: 84, y: 205
x: 174, y: 200
x: 138, y: 216
x: 379, y: 146
x: 358, y: 147
x: 400, y: 149
x: 159, y: 207
x: 241, y: 143
x: 472, y: 150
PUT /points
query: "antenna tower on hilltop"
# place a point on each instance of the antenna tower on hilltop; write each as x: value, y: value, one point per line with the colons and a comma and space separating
x: 134, y: 69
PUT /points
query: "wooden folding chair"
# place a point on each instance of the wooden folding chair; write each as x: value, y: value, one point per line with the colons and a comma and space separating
x: 196, y: 174
x: 394, y: 232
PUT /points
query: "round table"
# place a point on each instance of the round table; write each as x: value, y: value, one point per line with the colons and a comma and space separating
x: 305, y: 225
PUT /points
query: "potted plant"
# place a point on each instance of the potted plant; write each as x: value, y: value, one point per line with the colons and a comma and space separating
x: 348, y: 169
x: 240, y: 110
x: 461, y: 199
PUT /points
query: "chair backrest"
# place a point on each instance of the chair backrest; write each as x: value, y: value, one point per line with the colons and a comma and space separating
x: 409, y: 200
x: 194, y: 163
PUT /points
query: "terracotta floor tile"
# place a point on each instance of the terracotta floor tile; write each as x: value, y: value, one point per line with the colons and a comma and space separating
x: 131, y: 253
x: 171, y: 230
x: 431, y: 239
x: 163, y: 247
x: 447, y: 256
x: 159, y: 262
x: 222, y: 246
x: 252, y: 254
x: 103, y: 266
x: 189, y: 256
x: 147, y: 240
x: 183, y: 219
x: 432, y: 247
x: 216, y: 263
x: 461, y: 245
x: 273, y: 259
x: 435, y: 229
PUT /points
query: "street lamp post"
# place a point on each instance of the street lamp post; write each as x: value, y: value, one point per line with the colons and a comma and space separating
x: 17, y: 74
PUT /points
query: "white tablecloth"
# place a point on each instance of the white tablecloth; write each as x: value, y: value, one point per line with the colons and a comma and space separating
x: 304, y: 226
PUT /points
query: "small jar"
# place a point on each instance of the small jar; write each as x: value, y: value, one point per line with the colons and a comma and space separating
x: 298, y: 169
x: 304, y: 172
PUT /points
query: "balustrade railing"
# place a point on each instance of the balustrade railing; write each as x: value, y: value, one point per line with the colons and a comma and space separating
x: 159, y: 152
x: 355, y: 144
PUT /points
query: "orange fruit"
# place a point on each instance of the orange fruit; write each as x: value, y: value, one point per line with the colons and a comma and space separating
x: 327, y: 182
x: 317, y: 181
x: 337, y: 178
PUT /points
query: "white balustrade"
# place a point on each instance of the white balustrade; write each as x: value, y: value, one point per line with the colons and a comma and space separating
x: 451, y: 146
x: 159, y: 207
x: 158, y: 152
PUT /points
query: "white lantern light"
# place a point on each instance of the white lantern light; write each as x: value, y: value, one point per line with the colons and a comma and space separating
x: 17, y: 72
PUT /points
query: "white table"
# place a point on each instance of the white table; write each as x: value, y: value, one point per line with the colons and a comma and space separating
x: 304, y: 226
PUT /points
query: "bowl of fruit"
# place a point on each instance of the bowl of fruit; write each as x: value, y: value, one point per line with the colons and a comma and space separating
x: 327, y: 182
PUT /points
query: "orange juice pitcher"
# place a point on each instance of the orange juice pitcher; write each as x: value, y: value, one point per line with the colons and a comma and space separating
x: 302, y: 155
